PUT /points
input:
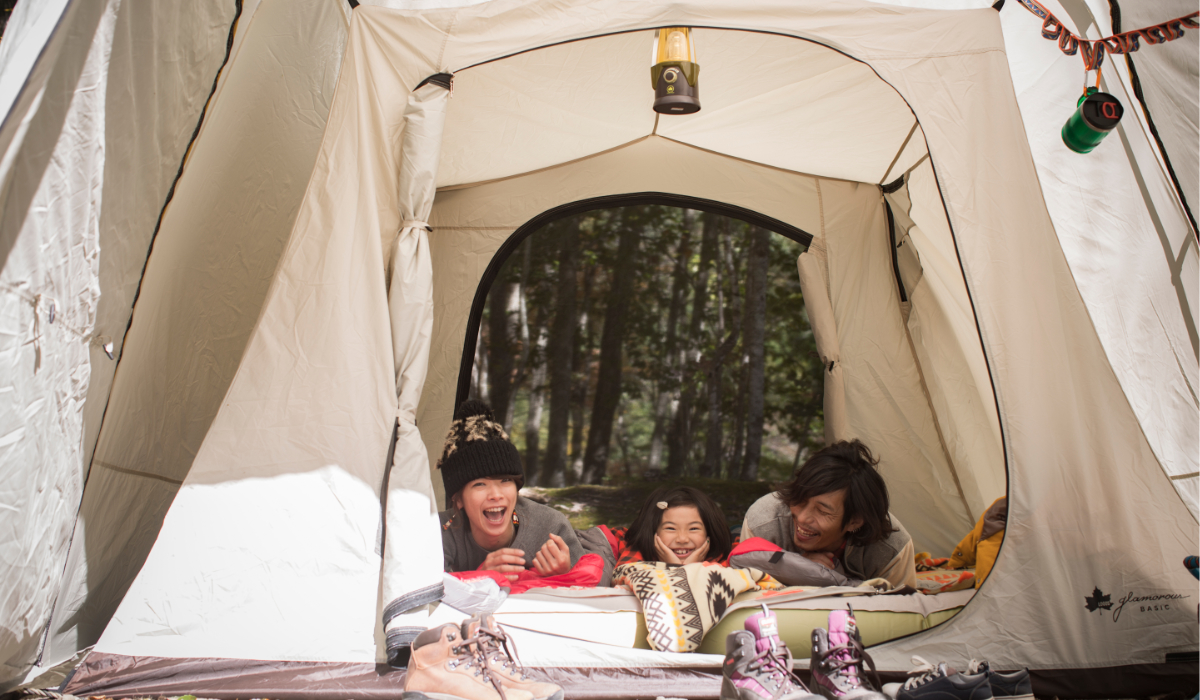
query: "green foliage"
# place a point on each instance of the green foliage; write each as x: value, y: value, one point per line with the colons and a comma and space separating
x: 658, y: 365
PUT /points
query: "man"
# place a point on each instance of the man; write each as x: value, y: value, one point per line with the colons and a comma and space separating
x: 834, y: 512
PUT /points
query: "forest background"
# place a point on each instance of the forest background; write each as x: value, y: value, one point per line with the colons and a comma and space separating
x: 625, y: 347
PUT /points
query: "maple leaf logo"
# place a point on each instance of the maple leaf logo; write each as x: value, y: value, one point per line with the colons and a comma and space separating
x: 1098, y: 601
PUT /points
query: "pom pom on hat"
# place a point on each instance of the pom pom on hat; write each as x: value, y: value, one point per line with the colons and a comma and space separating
x: 477, y: 447
x: 474, y: 407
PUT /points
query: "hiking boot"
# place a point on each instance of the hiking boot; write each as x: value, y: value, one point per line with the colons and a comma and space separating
x: 1012, y: 686
x: 758, y: 664
x: 444, y: 666
x: 837, y: 660
x: 492, y: 643
x: 929, y: 682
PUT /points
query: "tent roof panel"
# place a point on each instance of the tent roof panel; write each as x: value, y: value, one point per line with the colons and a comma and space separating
x: 542, y: 111
x: 792, y: 104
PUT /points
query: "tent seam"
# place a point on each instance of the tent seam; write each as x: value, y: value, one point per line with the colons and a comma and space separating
x: 480, y: 183
x: 137, y: 472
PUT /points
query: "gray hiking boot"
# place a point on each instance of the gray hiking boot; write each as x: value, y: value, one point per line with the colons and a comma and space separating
x: 837, y: 660
x: 758, y: 664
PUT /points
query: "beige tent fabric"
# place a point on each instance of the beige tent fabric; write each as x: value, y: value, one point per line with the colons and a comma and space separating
x: 811, y: 266
x: 213, y: 260
x: 50, y: 207
x: 269, y: 549
x: 887, y: 407
x: 412, y: 555
x: 1088, y: 505
x: 946, y: 342
x: 295, y: 455
x: 1128, y: 243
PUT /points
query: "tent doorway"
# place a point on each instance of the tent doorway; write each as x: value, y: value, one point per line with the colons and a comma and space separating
x: 620, y: 342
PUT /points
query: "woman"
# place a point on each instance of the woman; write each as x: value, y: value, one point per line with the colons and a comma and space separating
x: 491, y: 527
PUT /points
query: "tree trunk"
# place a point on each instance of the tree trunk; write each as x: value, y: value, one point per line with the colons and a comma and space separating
x: 533, y: 422
x: 711, y: 465
x: 739, y: 367
x: 522, y: 332
x: 562, y: 341
x: 668, y: 386
x: 583, y: 375
x: 754, y: 313
x: 608, y: 376
x: 680, y: 439
x: 479, y: 371
x: 499, y: 349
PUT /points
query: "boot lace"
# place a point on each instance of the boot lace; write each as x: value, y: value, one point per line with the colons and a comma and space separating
x: 775, y: 667
x: 839, y: 661
x: 494, y: 648
x: 469, y: 653
x: 922, y: 673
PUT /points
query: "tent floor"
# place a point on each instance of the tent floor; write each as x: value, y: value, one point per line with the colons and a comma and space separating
x: 123, y: 676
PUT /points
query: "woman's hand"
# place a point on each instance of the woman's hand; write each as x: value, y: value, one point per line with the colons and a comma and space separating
x: 825, y: 559
x: 553, y: 558
x: 507, y: 561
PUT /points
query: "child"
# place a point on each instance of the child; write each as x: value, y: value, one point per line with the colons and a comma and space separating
x: 489, y: 526
x: 678, y: 525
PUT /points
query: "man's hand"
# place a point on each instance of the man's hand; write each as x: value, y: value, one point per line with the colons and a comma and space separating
x: 507, y: 561
x: 825, y: 559
x: 553, y: 558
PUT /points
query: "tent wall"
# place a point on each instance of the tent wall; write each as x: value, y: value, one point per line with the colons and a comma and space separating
x: 270, y: 549
x: 1068, y: 428
x: 1170, y: 82
x: 213, y: 258
x: 49, y: 217
x: 1125, y: 236
x: 941, y: 326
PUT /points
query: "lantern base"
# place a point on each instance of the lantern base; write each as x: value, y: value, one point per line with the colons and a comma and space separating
x: 676, y: 104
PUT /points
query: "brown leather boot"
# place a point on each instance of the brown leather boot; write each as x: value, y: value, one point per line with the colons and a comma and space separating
x: 444, y: 666
x: 493, y: 643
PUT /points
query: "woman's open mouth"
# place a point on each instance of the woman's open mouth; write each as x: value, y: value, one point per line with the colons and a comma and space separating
x: 495, y: 516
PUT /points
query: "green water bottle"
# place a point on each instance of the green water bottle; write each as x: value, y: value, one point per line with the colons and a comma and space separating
x: 1098, y: 114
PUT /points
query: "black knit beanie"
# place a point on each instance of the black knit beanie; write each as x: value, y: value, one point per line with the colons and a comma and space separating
x: 477, y: 447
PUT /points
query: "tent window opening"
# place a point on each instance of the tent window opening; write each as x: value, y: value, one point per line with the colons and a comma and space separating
x: 644, y: 340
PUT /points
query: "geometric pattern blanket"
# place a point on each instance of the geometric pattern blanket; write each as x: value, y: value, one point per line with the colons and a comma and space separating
x: 682, y: 603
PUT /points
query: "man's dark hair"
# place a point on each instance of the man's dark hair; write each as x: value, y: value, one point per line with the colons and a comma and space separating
x: 640, y: 535
x: 849, y: 466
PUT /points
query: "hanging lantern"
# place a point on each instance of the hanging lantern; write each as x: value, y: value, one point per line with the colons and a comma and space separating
x: 675, y: 74
x: 1098, y: 113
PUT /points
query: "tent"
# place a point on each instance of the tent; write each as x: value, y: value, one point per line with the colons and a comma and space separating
x: 242, y: 243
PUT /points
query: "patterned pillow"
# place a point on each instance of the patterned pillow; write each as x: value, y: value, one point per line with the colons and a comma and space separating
x: 681, y: 603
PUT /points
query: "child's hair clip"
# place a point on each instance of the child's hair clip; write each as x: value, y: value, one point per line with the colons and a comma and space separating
x: 662, y: 505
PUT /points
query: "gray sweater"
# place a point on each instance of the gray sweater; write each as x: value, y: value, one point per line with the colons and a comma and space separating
x: 536, y: 521
x: 890, y: 558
